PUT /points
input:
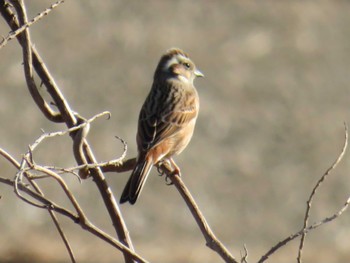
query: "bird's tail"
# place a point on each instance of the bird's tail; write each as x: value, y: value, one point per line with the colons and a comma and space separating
x: 136, y: 181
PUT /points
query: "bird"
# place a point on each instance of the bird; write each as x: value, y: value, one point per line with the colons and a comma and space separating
x: 166, y: 120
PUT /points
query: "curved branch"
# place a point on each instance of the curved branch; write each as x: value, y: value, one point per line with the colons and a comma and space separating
x: 211, y: 240
x: 314, y: 190
x: 121, y: 167
x: 85, y: 225
x: 8, y: 157
x: 19, y: 30
x: 65, y: 114
x: 41, y: 199
x: 306, y: 228
x: 304, y: 231
x: 27, y: 56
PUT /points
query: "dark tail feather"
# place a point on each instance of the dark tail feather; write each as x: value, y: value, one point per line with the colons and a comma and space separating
x: 136, y: 182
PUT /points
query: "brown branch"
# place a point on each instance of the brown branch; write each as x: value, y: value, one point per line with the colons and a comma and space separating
x: 65, y: 113
x: 306, y: 228
x: 51, y: 206
x: 88, y: 226
x: 52, y: 214
x: 314, y: 190
x: 57, y: 224
x: 46, y: 202
x: 122, y: 167
x: 11, y: 35
x: 65, y: 188
x: 62, y: 235
x: 45, y: 108
x: 12, y: 20
x: 211, y: 240
x: 8, y: 157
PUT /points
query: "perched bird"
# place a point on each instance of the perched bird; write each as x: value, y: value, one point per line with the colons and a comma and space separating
x: 167, y: 118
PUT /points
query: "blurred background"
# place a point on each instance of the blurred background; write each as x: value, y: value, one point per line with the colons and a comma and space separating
x: 273, y: 102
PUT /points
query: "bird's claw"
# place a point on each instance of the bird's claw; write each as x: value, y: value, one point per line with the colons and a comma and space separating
x: 168, y: 180
x: 160, y: 171
x: 168, y: 176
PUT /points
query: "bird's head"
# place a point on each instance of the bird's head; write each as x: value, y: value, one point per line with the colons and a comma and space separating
x: 176, y: 63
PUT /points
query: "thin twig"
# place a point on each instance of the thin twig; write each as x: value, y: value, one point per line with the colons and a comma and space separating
x: 314, y: 190
x: 88, y: 226
x: 67, y: 115
x: 306, y: 230
x: 11, y: 35
x: 56, y: 222
x: 211, y: 240
x: 63, y: 236
x: 124, y: 166
x: 244, y: 257
x: 65, y: 188
x: 18, y: 182
x: 46, y: 202
x: 58, y: 170
x: 28, y: 61
x: 8, y: 157
x: 46, y: 135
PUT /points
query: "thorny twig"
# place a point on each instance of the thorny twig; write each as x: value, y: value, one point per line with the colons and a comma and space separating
x: 52, y: 214
x: 87, y: 225
x: 64, y: 113
x: 306, y: 228
x: 11, y: 35
x: 211, y: 240
x: 45, y: 203
x: 46, y: 135
x: 314, y: 190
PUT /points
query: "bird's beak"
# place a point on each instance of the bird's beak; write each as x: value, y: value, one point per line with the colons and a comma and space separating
x: 198, y: 73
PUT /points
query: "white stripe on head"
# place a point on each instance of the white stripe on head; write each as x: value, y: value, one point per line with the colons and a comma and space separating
x: 174, y: 60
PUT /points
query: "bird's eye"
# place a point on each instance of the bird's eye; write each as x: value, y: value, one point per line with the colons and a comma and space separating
x: 187, y: 65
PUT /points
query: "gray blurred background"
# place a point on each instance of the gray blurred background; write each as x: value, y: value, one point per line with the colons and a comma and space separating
x: 273, y: 102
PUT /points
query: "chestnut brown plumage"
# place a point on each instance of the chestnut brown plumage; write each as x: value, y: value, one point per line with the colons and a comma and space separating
x: 167, y: 118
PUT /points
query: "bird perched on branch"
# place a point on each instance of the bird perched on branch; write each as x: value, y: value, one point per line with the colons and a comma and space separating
x: 167, y: 118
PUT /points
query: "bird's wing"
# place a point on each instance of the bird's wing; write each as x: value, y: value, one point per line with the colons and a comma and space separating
x: 167, y: 109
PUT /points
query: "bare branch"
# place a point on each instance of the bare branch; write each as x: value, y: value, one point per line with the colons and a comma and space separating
x: 85, y: 225
x: 211, y: 240
x: 65, y: 113
x: 51, y: 206
x: 63, y: 236
x: 46, y: 202
x: 314, y: 190
x: 8, y: 157
x: 306, y: 228
x: 63, y: 185
x: 244, y: 257
x: 57, y: 224
x: 115, y: 243
x: 47, y: 135
x: 27, y: 59
x: 124, y: 166
x: 39, y: 16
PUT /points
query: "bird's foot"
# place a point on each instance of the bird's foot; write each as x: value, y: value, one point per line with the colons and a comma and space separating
x: 169, y: 165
